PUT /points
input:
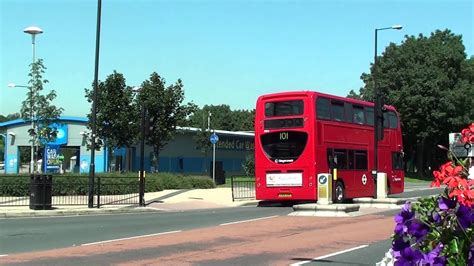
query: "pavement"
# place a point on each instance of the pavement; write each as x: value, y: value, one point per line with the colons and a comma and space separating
x: 166, y: 200
x: 194, y: 199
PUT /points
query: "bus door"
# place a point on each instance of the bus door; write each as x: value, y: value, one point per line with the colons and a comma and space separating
x: 363, y: 180
x: 396, y: 177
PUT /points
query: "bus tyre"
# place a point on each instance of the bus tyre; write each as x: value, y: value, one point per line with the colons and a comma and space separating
x: 339, y: 192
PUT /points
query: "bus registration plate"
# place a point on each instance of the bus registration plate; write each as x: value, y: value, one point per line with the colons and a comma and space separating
x: 285, y: 180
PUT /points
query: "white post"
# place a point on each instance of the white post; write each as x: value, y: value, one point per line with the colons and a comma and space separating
x: 214, y: 162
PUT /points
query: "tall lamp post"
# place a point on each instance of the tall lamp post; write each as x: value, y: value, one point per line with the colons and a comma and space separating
x: 378, y: 115
x: 94, y: 107
x: 33, y: 31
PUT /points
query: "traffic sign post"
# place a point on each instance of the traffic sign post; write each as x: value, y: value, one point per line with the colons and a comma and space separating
x: 214, y: 139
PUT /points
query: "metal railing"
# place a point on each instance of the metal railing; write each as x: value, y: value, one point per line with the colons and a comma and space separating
x: 242, y: 188
x: 72, y: 190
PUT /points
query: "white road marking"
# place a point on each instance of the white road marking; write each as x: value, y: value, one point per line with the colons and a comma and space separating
x: 251, y: 220
x: 329, y: 255
x: 127, y: 238
x: 4, y: 255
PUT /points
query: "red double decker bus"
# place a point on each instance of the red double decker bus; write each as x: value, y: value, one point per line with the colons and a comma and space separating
x: 299, y: 135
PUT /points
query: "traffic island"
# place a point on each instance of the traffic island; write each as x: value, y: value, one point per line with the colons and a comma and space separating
x: 382, y: 203
x: 331, y: 210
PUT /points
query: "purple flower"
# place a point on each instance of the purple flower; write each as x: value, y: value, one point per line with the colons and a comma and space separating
x: 399, y: 244
x: 418, y: 230
x: 408, y: 257
x: 445, y: 204
x: 465, y: 216
x: 400, y: 229
x: 436, y: 217
x: 405, y: 215
x: 433, y: 258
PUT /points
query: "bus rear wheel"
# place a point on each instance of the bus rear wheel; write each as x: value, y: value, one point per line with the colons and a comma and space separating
x: 339, y: 192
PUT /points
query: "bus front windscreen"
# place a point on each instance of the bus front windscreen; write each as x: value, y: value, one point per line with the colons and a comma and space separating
x: 284, y: 146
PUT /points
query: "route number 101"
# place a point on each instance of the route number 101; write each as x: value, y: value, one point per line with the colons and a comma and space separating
x: 283, y: 135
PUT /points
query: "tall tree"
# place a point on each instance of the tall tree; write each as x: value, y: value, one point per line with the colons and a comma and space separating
x: 430, y: 82
x: 117, y: 117
x: 38, y: 108
x: 223, y: 118
x: 165, y: 110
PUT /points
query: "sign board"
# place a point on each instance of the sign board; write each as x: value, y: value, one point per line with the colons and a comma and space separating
x: 51, y: 158
x: 284, y: 180
x: 61, y: 134
x: 214, y: 138
x: 459, y: 148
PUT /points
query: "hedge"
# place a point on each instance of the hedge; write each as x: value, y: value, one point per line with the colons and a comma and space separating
x: 111, y: 183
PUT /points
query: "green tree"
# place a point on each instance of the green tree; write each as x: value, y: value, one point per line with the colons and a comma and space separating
x: 223, y: 118
x: 9, y: 117
x: 430, y: 82
x: 38, y: 109
x: 218, y: 117
x: 165, y: 110
x: 117, y: 116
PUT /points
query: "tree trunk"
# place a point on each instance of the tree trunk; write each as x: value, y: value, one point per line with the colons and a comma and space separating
x: 156, y: 162
x: 420, y: 163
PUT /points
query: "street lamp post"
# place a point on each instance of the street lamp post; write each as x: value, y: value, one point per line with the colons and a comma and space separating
x: 94, y: 107
x: 33, y: 31
x: 378, y: 115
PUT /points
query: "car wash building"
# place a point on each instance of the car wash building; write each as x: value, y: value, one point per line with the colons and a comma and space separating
x: 180, y: 155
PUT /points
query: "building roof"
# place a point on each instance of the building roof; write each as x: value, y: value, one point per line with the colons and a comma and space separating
x: 17, y: 122
x: 84, y: 120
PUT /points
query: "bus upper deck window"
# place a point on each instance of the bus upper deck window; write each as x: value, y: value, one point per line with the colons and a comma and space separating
x: 323, y: 109
x: 358, y: 114
x: 337, y: 111
x: 284, y: 108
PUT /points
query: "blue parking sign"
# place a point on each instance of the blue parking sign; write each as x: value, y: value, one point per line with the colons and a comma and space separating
x: 214, y: 138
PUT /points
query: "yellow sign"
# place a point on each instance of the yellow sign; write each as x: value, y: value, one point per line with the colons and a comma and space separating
x: 322, y: 192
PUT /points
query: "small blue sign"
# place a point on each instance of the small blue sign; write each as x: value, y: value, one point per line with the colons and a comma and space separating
x: 214, y: 138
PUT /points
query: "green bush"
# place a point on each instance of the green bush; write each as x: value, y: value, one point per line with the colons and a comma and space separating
x: 111, y: 183
x: 249, y: 165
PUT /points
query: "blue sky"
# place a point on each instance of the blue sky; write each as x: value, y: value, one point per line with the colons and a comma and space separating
x: 226, y: 52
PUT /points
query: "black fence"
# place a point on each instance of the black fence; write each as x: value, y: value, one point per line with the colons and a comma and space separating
x: 70, y: 190
x: 243, y: 188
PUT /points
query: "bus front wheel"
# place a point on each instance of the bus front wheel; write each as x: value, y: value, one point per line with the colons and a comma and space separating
x: 339, y: 192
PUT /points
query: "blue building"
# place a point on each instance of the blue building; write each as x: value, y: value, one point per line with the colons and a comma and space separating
x: 180, y: 155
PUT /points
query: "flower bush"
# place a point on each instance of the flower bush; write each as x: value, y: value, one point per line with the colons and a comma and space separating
x: 439, y: 230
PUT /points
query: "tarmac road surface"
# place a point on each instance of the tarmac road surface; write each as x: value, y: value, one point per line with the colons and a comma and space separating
x: 275, y: 240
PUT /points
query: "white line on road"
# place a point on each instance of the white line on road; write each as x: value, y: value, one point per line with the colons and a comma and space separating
x: 329, y: 255
x: 251, y: 220
x: 4, y: 255
x: 127, y: 238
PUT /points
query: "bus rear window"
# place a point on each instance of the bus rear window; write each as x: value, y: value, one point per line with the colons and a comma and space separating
x: 285, y: 108
x: 285, y: 146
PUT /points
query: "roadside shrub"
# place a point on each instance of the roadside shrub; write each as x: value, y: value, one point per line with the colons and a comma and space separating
x: 249, y: 165
x: 111, y: 183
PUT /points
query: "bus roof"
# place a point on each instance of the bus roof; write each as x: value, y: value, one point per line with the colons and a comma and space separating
x: 315, y: 94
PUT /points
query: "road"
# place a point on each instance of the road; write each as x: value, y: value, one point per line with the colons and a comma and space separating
x: 34, y: 234
x: 233, y: 236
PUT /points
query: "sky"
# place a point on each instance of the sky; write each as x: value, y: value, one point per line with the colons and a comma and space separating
x: 225, y: 51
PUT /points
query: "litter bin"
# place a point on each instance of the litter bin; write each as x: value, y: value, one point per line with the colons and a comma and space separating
x: 40, y: 192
